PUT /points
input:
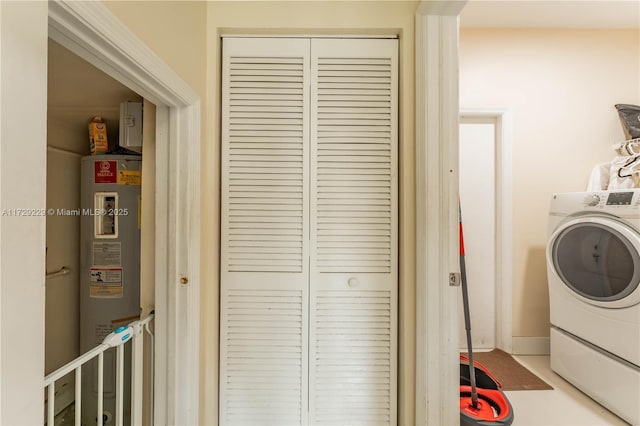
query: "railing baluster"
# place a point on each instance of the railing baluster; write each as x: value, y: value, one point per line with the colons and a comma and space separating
x: 51, y: 409
x: 78, y: 407
x: 152, y: 368
x: 119, y: 385
x: 100, y: 388
x: 137, y: 360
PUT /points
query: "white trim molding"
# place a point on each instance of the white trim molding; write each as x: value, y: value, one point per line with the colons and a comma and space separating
x: 451, y: 8
x: 437, y: 244
x: 92, y: 32
x: 501, y: 119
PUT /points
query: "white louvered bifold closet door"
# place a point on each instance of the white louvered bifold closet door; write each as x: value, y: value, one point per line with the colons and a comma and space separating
x: 353, y: 291
x: 264, y: 230
x: 308, y: 329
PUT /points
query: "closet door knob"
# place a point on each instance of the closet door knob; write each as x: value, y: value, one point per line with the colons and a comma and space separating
x: 353, y: 282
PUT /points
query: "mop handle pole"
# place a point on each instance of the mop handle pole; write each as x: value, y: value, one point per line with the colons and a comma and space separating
x: 467, y: 326
x: 467, y: 319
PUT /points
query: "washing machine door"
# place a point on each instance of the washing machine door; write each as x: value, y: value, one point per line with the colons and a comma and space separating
x: 598, y: 260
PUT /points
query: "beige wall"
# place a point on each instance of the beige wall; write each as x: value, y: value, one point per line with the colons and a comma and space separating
x: 174, y: 30
x: 561, y: 86
x: 62, y: 301
x: 328, y: 17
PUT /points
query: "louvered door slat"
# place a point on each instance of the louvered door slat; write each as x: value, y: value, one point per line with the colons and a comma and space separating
x: 352, y: 361
x: 264, y: 330
x: 353, y: 232
x: 264, y: 248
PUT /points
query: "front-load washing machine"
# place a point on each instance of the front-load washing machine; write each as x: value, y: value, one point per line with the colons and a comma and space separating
x: 593, y: 267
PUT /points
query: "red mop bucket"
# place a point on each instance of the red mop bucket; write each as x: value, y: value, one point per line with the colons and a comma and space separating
x: 482, y: 401
x: 493, y: 407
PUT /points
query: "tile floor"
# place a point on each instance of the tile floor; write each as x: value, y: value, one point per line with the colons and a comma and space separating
x: 563, y: 406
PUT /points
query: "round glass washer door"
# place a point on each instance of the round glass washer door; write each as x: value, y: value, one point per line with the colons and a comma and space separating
x: 598, y: 260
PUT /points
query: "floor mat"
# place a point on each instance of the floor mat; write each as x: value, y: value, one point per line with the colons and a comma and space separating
x: 512, y: 374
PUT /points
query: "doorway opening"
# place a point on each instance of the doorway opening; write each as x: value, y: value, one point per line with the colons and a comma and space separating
x: 86, y: 300
x: 92, y: 32
x: 485, y: 193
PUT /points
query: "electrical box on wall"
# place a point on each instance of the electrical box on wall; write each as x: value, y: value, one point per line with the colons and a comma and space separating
x: 131, y: 125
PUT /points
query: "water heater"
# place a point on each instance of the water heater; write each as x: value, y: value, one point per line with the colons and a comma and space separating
x: 110, y: 269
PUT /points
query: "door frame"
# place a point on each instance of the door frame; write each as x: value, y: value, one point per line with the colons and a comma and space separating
x: 437, y: 242
x: 501, y: 119
x: 92, y: 32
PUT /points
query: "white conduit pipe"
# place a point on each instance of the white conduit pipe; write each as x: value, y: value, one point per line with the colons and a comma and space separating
x: 60, y: 272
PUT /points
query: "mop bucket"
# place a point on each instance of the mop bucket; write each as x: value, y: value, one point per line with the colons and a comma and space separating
x: 493, y: 408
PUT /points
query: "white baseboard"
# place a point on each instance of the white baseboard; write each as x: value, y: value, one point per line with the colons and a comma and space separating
x: 531, y: 345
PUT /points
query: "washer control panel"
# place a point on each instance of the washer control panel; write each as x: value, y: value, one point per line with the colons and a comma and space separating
x: 620, y: 198
x: 624, y: 203
x: 604, y: 199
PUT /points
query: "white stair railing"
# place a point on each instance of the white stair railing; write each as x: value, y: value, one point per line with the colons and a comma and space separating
x: 116, y: 339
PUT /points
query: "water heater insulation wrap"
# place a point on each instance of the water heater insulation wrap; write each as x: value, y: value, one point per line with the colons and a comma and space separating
x: 110, y: 263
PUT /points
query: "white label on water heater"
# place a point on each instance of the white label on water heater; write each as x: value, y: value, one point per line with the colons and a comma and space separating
x: 105, y: 215
x: 107, y: 254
